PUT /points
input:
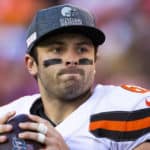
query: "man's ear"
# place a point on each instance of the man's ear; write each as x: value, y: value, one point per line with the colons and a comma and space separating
x: 31, y: 65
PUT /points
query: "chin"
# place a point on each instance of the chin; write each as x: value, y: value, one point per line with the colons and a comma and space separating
x: 74, y: 94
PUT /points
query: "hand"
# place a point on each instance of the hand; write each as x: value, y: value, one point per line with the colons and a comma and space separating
x: 47, y: 135
x: 5, y: 128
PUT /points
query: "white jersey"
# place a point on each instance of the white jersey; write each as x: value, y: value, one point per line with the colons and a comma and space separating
x: 113, y: 118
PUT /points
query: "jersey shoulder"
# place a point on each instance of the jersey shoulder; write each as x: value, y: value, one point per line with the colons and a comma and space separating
x: 20, y: 105
x: 135, y: 89
x: 124, y: 97
x: 122, y: 113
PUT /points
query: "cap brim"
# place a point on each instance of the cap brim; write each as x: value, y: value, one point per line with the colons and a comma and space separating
x: 96, y: 35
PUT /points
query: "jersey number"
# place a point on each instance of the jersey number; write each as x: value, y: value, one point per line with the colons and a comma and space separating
x: 133, y: 88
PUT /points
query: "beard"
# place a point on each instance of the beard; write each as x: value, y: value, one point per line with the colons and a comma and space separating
x: 72, y: 88
x: 76, y: 95
x: 67, y: 84
x: 71, y: 85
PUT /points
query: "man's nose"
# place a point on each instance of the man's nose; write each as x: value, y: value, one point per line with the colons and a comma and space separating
x: 71, y: 63
x: 71, y: 58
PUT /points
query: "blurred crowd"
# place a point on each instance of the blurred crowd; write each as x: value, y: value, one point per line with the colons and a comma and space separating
x: 122, y: 59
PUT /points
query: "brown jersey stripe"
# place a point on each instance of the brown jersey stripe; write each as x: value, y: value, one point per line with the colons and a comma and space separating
x: 122, y: 126
x: 122, y: 115
x: 120, y: 136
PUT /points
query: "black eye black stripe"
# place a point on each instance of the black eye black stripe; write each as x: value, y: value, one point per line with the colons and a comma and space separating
x: 50, y: 62
x: 55, y: 61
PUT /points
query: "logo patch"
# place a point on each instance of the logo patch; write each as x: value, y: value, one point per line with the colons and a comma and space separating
x: 133, y: 88
x: 147, y: 101
x: 70, y: 17
x: 66, y: 11
x: 31, y: 39
x: 18, y: 144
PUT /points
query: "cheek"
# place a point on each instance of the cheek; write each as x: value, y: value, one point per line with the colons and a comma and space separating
x: 90, y: 72
x: 91, y: 68
x: 47, y: 74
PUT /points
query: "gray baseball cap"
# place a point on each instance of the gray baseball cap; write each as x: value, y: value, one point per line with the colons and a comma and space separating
x: 62, y: 18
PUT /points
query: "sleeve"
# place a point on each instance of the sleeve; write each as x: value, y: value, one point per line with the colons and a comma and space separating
x: 126, y: 129
x: 137, y: 125
x: 21, y: 105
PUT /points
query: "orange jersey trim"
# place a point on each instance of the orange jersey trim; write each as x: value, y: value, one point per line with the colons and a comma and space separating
x: 135, y: 89
x: 122, y: 126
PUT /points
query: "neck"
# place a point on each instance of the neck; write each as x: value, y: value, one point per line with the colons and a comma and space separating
x: 57, y: 110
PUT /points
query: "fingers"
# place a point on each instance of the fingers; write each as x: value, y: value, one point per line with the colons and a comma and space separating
x: 40, y: 130
x: 41, y: 120
x: 39, y: 137
x: 6, y: 117
x: 39, y: 127
x: 36, y: 130
x: 44, y: 134
x: 38, y: 119
x: 3, y: 138
x: 5, y: 128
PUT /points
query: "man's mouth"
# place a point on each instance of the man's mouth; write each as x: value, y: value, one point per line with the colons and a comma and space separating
x: 71, y: 71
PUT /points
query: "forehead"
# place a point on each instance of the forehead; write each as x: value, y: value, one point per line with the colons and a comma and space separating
x: 66, y: 38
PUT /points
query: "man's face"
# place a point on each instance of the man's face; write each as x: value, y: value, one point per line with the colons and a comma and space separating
x: 66, y: 75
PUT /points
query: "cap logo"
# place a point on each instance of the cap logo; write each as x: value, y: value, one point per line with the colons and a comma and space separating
x: 70, y: 17
x: 31, y: 39
x: 66, y: 11
x: 147, y: 101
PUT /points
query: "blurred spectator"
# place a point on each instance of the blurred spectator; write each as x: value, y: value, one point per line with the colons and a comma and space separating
x: 132, y: 66
x: 12, y: 42
x: 14, y: 81
x: 139, y: 50
x: 19, y: 12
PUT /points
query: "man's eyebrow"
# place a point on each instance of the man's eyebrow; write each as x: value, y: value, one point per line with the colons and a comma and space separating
x: 84, y: 43
x: 56, y: 42
x: 61, y: 42
x: 51, y: 42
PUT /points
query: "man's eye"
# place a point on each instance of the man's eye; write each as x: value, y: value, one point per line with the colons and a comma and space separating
x: 82, y: 50
x: 56, y: 50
